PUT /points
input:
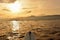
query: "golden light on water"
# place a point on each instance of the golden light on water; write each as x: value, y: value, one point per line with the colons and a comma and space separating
x: 15, y: 25
x: 15, y: 7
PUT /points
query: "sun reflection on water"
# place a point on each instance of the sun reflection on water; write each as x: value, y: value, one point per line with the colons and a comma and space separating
x: 15, y: 26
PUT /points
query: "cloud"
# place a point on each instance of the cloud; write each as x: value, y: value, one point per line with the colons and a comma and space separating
x: 7, y: 1
x: 37, y: 7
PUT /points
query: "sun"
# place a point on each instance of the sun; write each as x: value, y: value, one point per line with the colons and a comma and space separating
x: 14, y: 7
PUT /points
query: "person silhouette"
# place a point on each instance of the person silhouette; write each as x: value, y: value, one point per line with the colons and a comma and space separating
x: 30, y: 36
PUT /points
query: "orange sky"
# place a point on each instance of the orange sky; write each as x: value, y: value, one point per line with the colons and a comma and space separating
x: 37, y: 8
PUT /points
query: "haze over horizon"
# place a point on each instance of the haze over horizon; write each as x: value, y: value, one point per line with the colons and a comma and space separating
x: 32, y: 7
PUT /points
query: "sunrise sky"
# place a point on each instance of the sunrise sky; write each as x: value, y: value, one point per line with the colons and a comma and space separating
x: 36, y: 7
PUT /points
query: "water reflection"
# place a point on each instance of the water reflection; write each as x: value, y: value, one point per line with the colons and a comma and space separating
x: 15, y: 26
